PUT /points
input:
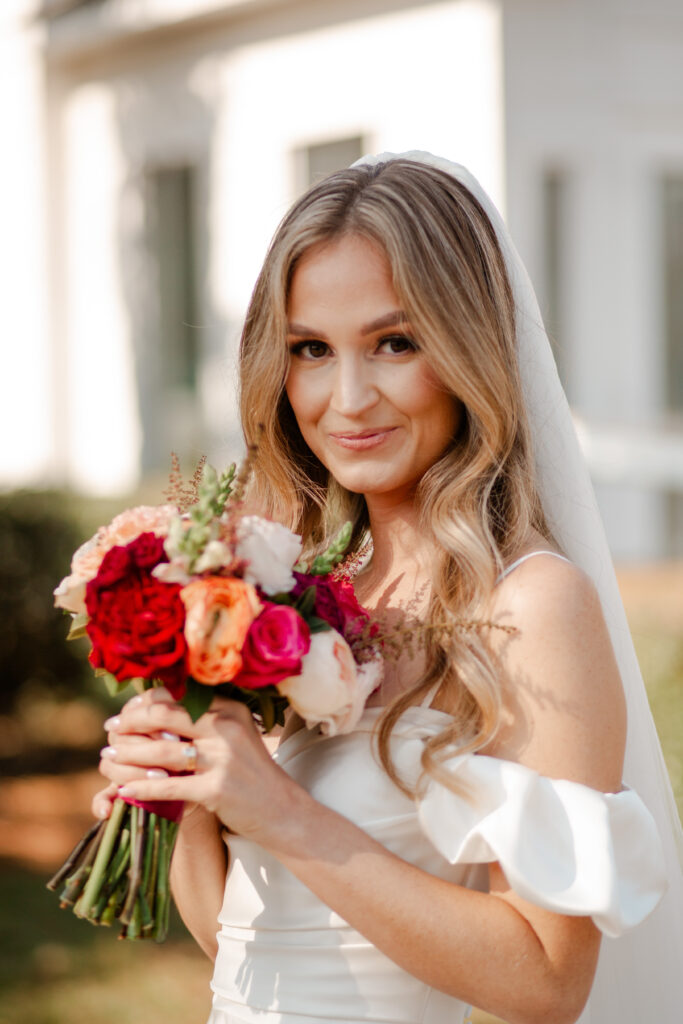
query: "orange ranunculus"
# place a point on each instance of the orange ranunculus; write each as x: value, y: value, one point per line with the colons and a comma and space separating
x: 219, y: 612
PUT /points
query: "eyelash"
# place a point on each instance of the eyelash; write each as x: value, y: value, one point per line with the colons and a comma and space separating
x: 299, y: 347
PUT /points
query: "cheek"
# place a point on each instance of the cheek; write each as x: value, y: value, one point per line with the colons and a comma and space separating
x: 297, y: 393
x: 426, y: 400
x: 307, y: 403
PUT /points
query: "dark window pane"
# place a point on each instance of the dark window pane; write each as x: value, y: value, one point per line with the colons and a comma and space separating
x: 554, y: 285
x: 672, y: 201
x: 173, y: 250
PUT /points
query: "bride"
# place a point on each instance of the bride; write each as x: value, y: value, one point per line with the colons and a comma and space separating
x: 471, y: 840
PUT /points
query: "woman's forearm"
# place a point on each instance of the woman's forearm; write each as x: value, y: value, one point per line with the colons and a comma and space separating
x: 475, y: 946
x: 198, y: 872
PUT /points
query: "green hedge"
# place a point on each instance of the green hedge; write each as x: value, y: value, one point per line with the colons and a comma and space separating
x: 39, y: 531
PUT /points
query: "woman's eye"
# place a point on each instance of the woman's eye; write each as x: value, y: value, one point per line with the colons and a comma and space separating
x: 399, y: 343
x: 309, y: 349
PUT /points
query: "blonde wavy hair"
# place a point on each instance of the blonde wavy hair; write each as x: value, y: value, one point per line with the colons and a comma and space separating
x: 479, y: 500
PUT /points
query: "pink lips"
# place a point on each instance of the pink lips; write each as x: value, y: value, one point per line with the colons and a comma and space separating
x: 363, y: 439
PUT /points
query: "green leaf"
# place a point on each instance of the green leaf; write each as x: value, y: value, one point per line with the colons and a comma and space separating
x: 317, y: 625
x: 325, y: 563
x: 197, y: 698
x: 282, y: 597
x: 306, y: 603
x: 78, y: 624
x: 114, y: 687
x: 267, y: 711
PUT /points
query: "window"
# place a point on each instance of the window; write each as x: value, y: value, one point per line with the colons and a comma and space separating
x: 170, y: 336
x: 315, y: 162
x: 672, y: 238
x: 173, y: 251
x: 554, y: 198
x: 672, y: 299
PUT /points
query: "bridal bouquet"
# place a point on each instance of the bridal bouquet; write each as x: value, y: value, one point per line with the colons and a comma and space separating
x: 204, y: 600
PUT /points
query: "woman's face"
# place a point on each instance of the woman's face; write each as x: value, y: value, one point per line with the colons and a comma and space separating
x: 366, y: 402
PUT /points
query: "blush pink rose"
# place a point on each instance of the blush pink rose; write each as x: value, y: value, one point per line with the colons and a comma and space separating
x: 276, y: 642
x: 124, y: 528
x: 331, y: 689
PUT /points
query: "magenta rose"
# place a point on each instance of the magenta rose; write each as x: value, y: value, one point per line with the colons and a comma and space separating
x: 276, y: 642
x: 335, y: 603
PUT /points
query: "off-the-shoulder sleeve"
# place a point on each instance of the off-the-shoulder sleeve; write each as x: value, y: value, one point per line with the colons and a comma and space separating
x: 561, y: 845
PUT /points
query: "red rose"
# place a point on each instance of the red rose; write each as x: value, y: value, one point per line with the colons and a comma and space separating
x: 335, y: 603
x: 137, y: 622
x: 276, y: 642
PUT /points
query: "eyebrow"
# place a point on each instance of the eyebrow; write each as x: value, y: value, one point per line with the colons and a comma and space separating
x: 393, y: 319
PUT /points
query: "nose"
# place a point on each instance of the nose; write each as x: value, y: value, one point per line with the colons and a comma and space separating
x: 355, y: 389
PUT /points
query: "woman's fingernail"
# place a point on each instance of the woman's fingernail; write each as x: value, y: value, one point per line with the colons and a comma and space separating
x: 102, y: 811
x: 125, y: 790
x: 135, y: 701
x: 108, y: 752
x: 112, y: 723
x: 170, y: 736
x: 156, y: 773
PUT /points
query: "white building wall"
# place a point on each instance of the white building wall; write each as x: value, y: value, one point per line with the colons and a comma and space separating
x: 234, y: 88
x: 401, y: 81
x: 102, y: 435
x: 236, y: 102
x: 25, y: 379
x: 596, y: 90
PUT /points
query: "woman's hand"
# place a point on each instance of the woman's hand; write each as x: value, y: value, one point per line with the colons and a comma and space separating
x: 103, y: 800
x: 233, y: 777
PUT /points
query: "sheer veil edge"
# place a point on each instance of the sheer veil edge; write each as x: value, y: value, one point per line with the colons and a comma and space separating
x: 639, y: 975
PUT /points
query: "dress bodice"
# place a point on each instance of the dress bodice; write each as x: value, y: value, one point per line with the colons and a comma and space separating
x: 286, y: 958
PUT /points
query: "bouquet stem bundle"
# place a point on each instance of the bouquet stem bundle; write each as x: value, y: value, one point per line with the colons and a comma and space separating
x: 119, y: 872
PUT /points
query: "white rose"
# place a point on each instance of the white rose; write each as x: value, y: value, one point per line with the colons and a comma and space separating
x: 331, y: 690
x: 270, y: 551
x: 215, y: 555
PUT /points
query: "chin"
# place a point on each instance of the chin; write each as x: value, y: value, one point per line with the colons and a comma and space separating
x: 369, y: 483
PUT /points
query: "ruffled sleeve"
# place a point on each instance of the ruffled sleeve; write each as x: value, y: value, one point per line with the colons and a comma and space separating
x: 561, y: 845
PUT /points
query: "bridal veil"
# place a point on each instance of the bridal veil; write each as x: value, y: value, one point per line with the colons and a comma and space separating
x: 638, y: 980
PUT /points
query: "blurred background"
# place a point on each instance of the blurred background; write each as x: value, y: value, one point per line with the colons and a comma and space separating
x: 150, y: 147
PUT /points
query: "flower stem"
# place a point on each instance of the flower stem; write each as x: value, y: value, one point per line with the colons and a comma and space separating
x: 76, y: 882
x: 138, y: 831
x: 75, y: 855
x: 96, y: 878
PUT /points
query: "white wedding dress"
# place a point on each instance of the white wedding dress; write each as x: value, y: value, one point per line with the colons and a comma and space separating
x: 286, y: 958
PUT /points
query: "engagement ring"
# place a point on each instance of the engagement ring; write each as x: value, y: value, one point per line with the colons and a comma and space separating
x: 189, y: 752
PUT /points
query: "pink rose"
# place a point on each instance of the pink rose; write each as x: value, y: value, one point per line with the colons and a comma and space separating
x: 331, y: 689
x: 276, y: 642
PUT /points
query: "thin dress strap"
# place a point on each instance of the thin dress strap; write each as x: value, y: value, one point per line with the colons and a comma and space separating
x: 431, y: 693
x: 529, y: 554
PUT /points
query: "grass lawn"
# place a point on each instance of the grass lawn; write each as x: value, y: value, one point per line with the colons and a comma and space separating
x: 55, y: 969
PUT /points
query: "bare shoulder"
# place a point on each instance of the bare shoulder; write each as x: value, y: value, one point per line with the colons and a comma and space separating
x: 563, y: 710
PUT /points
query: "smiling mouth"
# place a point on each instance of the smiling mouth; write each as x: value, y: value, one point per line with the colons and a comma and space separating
x: 363, y: 439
